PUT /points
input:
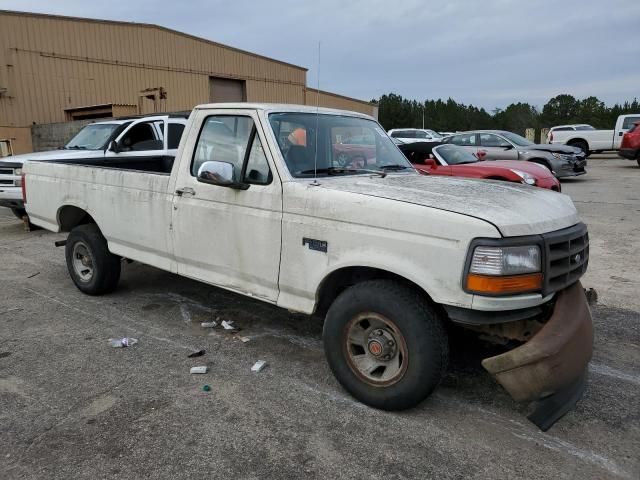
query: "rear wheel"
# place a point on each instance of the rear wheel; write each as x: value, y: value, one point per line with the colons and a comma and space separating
x: 385, y: 344
x: 582, y: 145
x: 92, y: 267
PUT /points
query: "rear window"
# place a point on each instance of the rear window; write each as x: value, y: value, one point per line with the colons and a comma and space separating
x: 629, y: 121
x: 175, y: 134
x: 562, y: 129
x: 584, y: 127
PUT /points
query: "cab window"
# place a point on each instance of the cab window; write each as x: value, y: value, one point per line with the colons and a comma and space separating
x: 491, y: 140
x: 140, y: 137
x: 232, y: 139
x: 465, y: 140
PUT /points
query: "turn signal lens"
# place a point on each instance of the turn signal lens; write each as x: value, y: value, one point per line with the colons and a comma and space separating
x: 493, y: 285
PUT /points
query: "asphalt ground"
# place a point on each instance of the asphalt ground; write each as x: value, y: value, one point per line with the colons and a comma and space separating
x: 73, y: 407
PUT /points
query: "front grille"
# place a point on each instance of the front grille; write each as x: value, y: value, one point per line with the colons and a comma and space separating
x: 566, y: 257
x: 6, y: 171
x: 6, y: 182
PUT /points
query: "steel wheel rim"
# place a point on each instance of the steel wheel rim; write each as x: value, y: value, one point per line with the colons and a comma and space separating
x: 82, y: 262
x: 375, y: 349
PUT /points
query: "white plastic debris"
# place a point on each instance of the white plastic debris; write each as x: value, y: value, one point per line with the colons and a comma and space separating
x: 122, y: 342
x: 258, y: 366
x: 211, y: 324
x: 228, y: 325
x: 243, y: 339
x: 200, y: 369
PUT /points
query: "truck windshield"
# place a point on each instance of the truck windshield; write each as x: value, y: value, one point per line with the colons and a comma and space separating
x: 344, y: 145
x: 92, y: 137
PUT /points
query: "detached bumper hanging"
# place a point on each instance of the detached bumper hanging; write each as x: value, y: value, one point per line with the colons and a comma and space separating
x: 550, y: 369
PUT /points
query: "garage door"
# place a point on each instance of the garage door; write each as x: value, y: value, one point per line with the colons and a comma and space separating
x: 226, y: 90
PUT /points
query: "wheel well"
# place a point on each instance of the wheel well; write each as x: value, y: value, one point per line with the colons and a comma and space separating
x: 338, y: 281
x: 541, y: 161
x: 575, y: 141
x: 70, y: 217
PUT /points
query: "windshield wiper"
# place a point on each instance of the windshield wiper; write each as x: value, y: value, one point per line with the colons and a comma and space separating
x: 339, y: 170
x: 76, y: 147
x: 394, y: 167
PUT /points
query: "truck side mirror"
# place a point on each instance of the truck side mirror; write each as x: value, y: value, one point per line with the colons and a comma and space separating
x: 113, y: 147
x: 221, y: 174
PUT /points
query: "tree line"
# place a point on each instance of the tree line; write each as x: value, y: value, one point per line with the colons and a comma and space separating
x: 394, y: 111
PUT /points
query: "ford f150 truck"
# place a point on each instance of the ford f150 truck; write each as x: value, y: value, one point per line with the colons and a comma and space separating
x: 112, y: 141
x: 588, y: 139
x: 257, y: 203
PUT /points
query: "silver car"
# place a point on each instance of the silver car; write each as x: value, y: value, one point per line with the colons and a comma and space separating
x: 562, y: 160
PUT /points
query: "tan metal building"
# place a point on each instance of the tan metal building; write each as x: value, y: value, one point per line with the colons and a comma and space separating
x: 57, y: 69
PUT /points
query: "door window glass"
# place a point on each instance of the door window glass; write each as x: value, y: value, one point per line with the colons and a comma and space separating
x: 140, y: 137
x: 490, y: 140
x: 464, y: 140
x: 257, y: 171
x: 175, y: 134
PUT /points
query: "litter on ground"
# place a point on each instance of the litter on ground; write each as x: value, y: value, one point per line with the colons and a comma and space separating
x: 199, y: 369
x: 258, y: 366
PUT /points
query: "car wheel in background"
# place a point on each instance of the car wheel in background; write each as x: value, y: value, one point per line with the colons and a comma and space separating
x: 342, y: 159
x: 385, y: 344
x: 582, y: 145
x: 92, y: 267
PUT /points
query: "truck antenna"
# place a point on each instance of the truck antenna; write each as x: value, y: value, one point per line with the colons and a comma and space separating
x: 315, y: 161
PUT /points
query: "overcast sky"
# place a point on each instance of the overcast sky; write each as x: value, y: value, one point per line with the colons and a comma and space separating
x: 486, y: 52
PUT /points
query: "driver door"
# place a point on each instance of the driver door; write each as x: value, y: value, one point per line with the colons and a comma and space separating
x: 225, y: 236
x: 497, y: 148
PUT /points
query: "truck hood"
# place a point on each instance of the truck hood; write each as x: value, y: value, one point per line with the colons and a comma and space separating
x: 57, y: 155
x: 552, y: 147
x: 513, y: 209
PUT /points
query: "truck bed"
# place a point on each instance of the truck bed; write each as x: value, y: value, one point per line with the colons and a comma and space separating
x: 130, y: 201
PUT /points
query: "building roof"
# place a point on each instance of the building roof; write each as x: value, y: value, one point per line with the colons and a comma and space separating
x: 147, y: 25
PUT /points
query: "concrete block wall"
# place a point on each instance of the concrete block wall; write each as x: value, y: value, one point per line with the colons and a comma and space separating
x: 51, y: 136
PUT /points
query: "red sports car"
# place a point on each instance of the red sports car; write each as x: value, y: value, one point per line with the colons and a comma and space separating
x: 455, y: 161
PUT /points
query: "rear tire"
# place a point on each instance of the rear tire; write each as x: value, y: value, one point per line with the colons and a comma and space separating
x: 385, y: 344
x: 92, y: 267
x: 582, y: 145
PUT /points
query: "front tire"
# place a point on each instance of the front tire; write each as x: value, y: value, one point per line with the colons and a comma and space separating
x: 582, y: 145
x: 385, y: 344
x: 92, y: 267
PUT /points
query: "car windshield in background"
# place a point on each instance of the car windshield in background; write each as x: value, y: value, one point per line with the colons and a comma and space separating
x: 344, y: 145
x: 455, y: 155
x: 92, y: 137
x: 435, y: 134
x: 584, y: 127
x: 517, y: 139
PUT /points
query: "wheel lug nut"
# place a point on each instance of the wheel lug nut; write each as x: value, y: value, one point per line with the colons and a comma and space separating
x: 378, y: 332
x: 390, y: 343
x: 387, y: 357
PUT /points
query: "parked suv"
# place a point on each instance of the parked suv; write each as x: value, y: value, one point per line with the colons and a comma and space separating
x: 562, y: 160
x: 630, y: 146
x: 409, y: 135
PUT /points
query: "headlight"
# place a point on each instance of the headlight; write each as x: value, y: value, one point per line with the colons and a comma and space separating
x: 526, y: 178
x: 504, y: 270
x: 17, y: 171
x: 557, y: 155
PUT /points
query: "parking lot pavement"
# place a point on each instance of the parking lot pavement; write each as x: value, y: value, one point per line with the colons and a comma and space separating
x: 73, y: 407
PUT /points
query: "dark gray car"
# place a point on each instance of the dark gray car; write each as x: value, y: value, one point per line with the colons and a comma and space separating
x: 562, y: 160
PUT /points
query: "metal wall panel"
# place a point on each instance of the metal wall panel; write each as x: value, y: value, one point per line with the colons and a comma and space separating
x: 50, y: 63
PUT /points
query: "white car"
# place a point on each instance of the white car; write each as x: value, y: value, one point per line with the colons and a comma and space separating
x: 127, y: 140
x: 410, y: 135
x: 387, y: 256
x: 588, y: 139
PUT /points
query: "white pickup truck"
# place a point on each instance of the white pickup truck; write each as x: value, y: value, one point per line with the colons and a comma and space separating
x: 588, y: 139
x: 257, y: 203
x: 118, y: 141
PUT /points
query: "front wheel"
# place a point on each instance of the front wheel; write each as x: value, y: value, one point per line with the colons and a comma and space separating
x: 93, y: 268
x: 385, y: 344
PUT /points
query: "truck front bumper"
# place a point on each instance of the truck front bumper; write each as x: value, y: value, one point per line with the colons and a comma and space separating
x: 551, y: 367
x: 11, y: 197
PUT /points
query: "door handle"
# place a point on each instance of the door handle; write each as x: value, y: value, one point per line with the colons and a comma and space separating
x: 185, y: 191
